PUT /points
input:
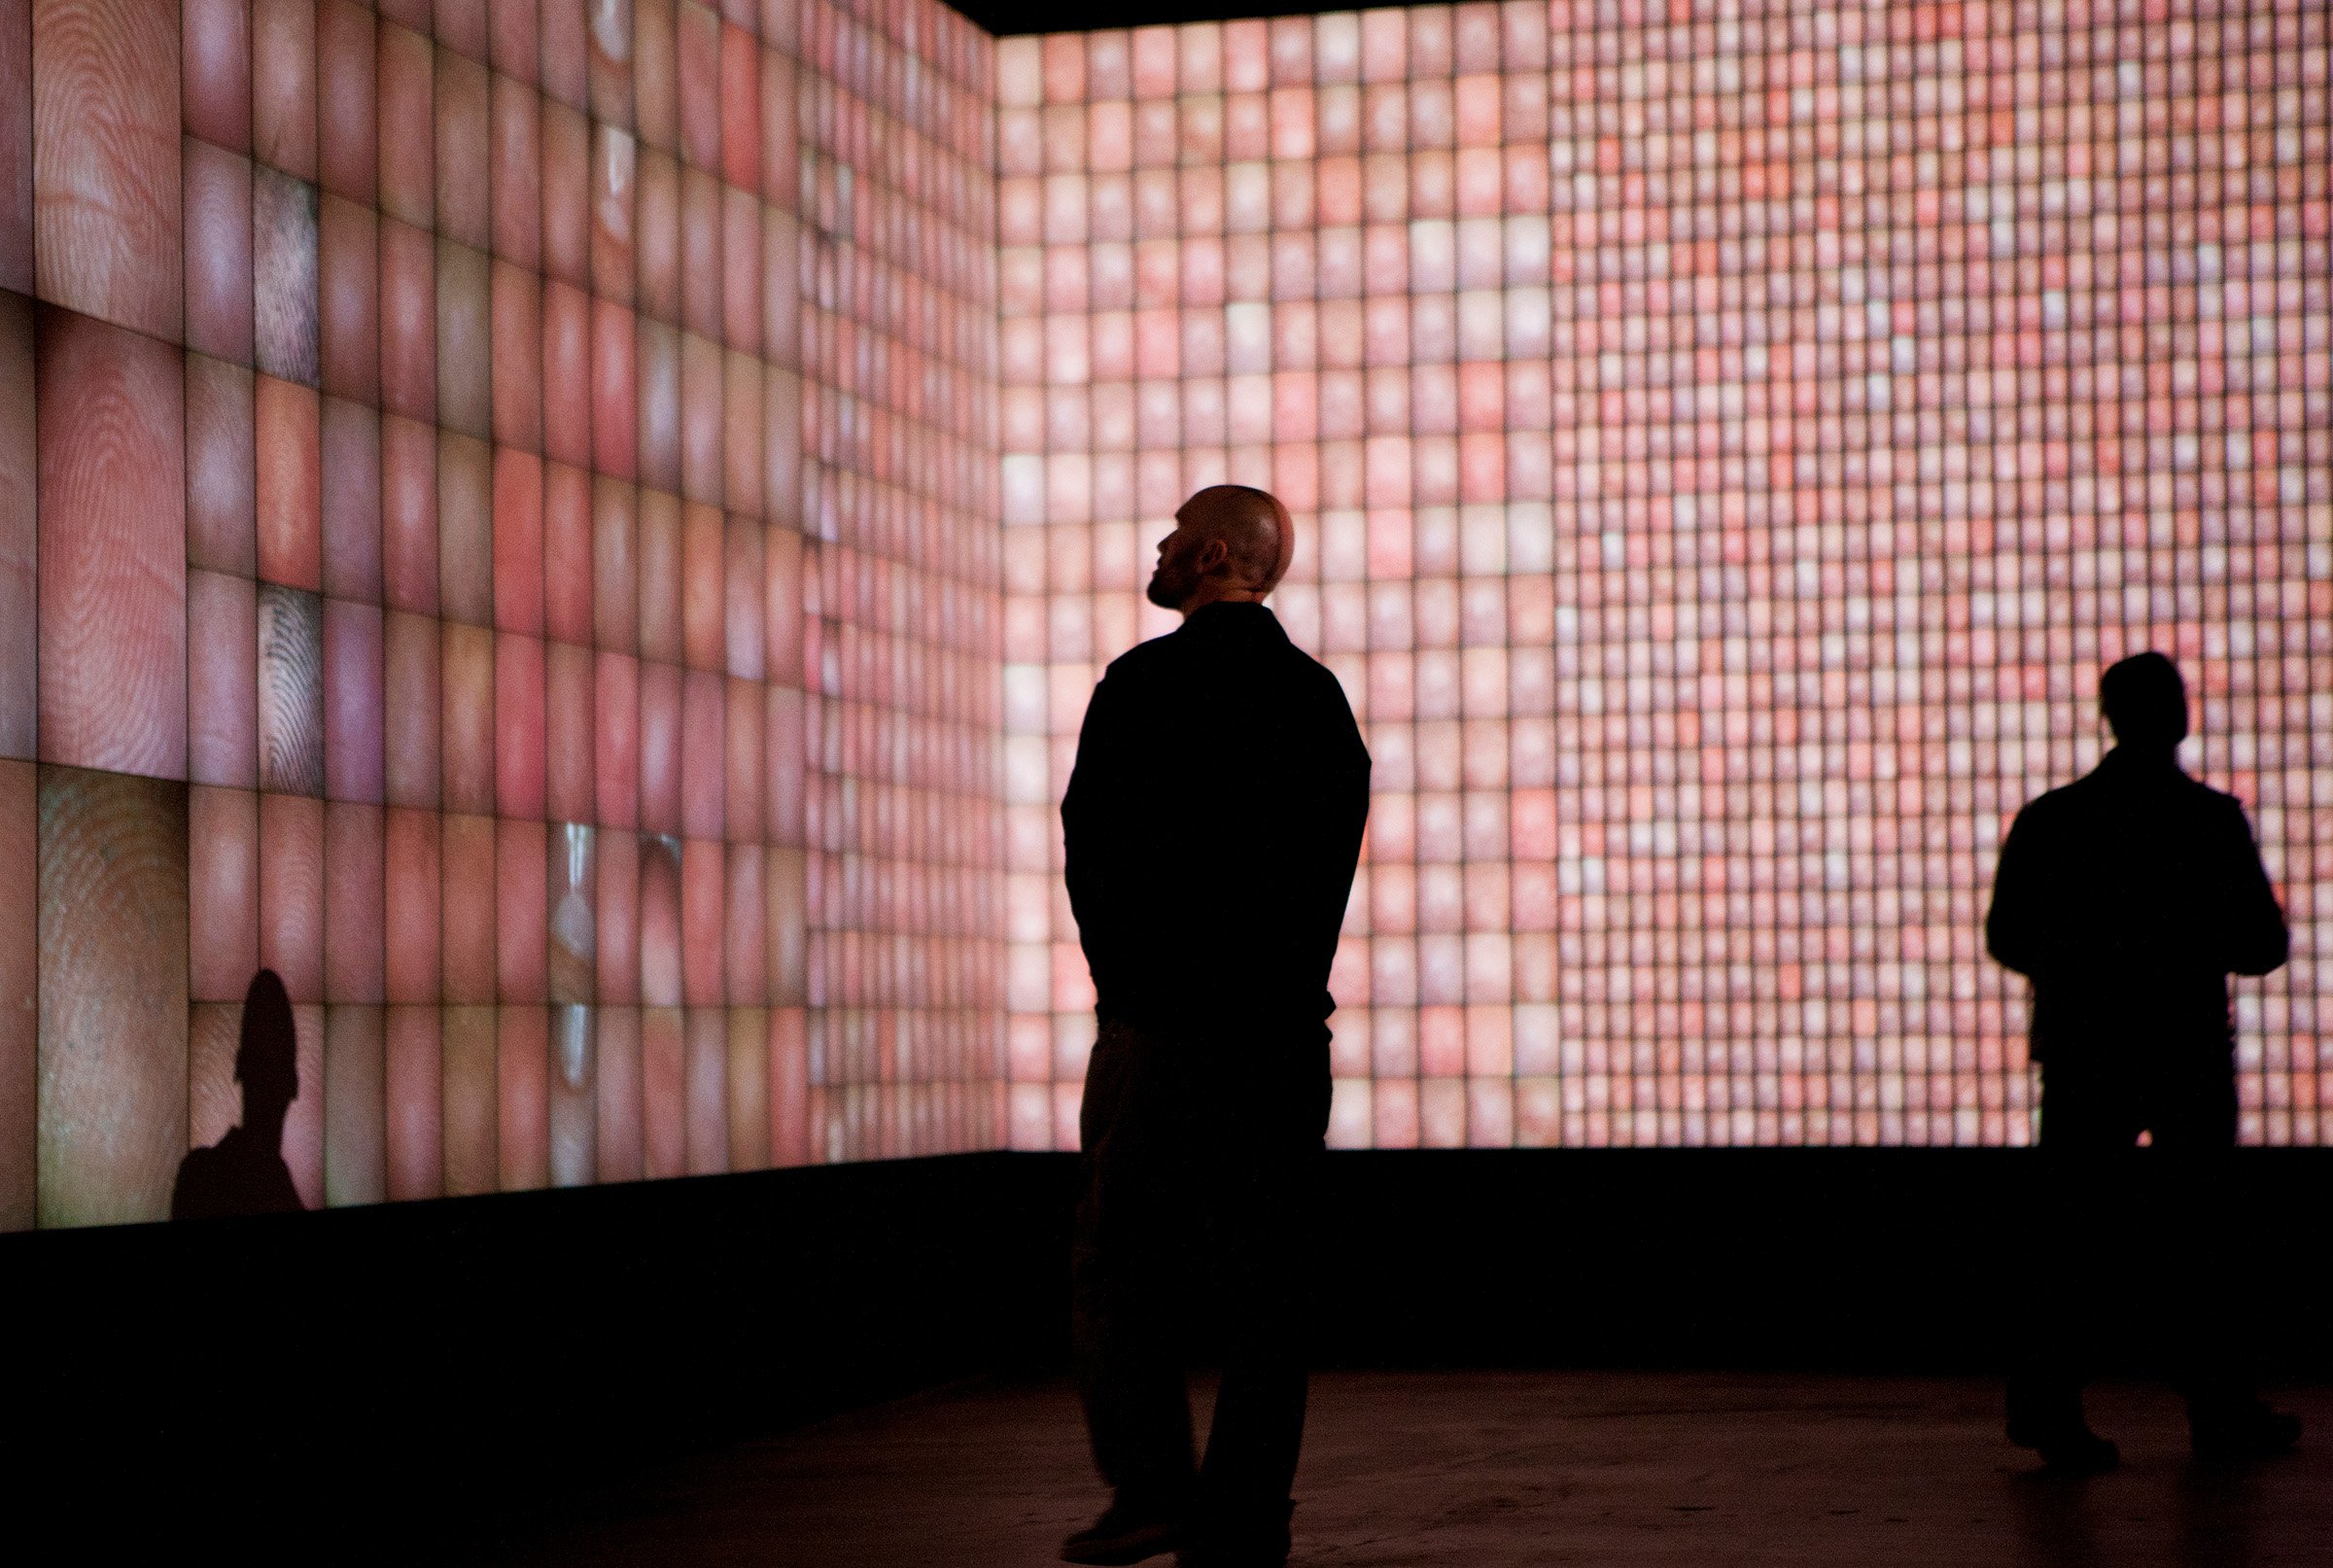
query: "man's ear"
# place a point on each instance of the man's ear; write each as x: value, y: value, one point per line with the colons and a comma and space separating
x: 1213, y: 556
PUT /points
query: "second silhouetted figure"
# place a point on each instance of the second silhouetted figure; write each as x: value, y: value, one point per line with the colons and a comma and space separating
x: 1210, y: 831
x: 2128, y: 898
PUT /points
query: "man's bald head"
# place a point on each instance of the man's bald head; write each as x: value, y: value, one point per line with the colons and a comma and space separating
x: 1230, y: 542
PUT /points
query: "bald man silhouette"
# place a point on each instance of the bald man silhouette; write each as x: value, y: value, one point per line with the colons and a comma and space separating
x: 1211, y: 828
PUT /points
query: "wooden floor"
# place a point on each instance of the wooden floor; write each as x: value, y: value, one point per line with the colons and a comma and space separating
x: 1485, y: 1469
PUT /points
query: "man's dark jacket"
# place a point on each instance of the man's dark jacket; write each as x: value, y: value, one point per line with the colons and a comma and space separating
x: 1212, y: 825
x: 2128, y: 898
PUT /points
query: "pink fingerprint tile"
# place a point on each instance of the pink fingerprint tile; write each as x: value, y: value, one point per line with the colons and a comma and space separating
x: 20, y: 568
x: 283, y: 85
x: 516, y: 378
x: 617, y: 737
x: 567, y: 554
x: 412, y: 1079
x: 702, y: 414
x: 406, y: 95
x: 522, y: 901
x: 354, y: 702
x: 111, y: 547
x: 566, y: 51
x: 466, y: 529
x: 659, y: 921
x: 660, y: 747
x: 702, y: 754
x: 513, y: 38
x: 471, y: 1099
x: 747, y: 808
x: 215, y: 76
x: 355, y: 1105
x: 408, y: 515
x: 222, y: 681
x: 464, y: 350
x: 284, y: 276
x: 467, y: 918
x: 614, y: 570
x: 616, y: 905
x: 658, y: 417
x: 662, y: 1093
x: 216, y: 208
x: 702, y: 541
x: 466, y: 739
x: 739, y: 103
x: 701, y: 253
x: 656, y: 234
x: 354, y: 902
x: 222, y: 877
x: 704, y: 903
x: 614, y: 390
x: 744, y: 464
x: 570, y: 698
x: 408, y: 322
x: 347, y: 113
x: 107, y: 232
x: 349, y: 302
x: 350, y: 465
x: 788, y: 1087
x: 220, y: 463
x: 410, y: 903
x: 780, y: 159
x: 291, y: 892
x: 522, y: 1087
x: 518, y: 546
x: 567, y: 198
x: 520, y: 726
x: 705, y: 1070
x: 463, y: 118
x: 288, y: 482
x: 516, y: 172
x: 697, y: 61
x: 658, y: 558
x: 566, y: 375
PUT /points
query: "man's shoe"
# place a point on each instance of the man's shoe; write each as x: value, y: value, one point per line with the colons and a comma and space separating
x: 2068, y: 1447
x: 2245, y: 1430
x: 1123, y: 1535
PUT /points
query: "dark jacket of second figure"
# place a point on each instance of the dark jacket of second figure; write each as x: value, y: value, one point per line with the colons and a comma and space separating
x: 2128, y: 898
x: 1212, y: 825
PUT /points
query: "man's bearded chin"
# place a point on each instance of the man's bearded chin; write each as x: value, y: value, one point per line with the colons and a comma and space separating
x: 1162, y: 591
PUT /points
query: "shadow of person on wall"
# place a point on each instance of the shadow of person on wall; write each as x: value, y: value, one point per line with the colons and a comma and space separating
x: 244, y: 1172
x: 2128, y: 898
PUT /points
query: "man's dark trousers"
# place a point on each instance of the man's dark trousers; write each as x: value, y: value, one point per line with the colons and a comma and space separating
x: 1200, y: 1147
x: 2165, y: 1219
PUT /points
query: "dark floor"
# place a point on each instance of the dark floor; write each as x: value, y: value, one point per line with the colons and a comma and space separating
x: 1485, y: 1469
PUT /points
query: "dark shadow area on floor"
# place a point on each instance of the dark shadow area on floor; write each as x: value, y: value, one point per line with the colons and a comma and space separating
x: 388, y: 1374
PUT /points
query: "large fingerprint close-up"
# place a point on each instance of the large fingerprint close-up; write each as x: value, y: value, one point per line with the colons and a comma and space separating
x: 578, y: 536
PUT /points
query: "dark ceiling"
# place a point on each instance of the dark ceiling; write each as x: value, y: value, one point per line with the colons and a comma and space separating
x: 1002, y: 16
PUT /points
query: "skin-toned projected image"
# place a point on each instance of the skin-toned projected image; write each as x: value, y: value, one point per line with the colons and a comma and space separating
x: 576, y: 537
x: 1727, y: 443
x: 498, y: 563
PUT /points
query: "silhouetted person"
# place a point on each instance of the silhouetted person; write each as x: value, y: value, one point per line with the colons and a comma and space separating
x: 244, y: 1172
x: 2128, y: 898
x: 1211, y: 828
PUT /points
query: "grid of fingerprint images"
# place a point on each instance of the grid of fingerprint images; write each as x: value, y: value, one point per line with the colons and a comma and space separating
x: 579, y: 532
x: 497, y: 526
x: 1728, y: 441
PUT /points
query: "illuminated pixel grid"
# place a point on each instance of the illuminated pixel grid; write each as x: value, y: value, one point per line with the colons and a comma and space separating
x: 499, y: 521
x: 497, y: 524
x: 1726, y: 444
